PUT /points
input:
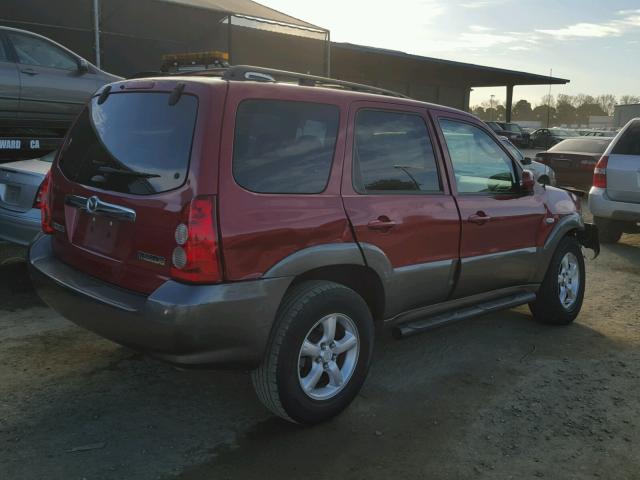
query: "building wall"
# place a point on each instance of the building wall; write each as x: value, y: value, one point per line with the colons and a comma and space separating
x: 624, y: 113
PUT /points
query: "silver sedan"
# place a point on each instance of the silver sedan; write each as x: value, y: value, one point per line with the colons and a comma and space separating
x: 19, y: 185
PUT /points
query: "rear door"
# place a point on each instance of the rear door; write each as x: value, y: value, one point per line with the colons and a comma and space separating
x: 53, y: 90
x: 623, y: 167
x: 9, y: 85
x: 398, y: 201
x: 499, y: 225
x: 124, y: 175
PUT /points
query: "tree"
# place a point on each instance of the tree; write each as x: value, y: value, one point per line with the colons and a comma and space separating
x: 629, y: 99
x: 522, y: 110
x: 607, y: 102
x: 587, y: 110
x: 479, y: 112
x: 565, y: 111
x: 540, y: 114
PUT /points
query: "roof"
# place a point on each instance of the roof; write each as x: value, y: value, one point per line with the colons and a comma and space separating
x: 482, y: 76
x: 248, y: 8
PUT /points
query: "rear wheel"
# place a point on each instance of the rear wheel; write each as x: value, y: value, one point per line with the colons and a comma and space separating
x: 609, y: 231
x: 318, y: 355
x: 560, y: 297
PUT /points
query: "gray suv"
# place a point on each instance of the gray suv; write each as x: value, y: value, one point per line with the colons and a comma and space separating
x: 614, y: 198
x: 43, y: 85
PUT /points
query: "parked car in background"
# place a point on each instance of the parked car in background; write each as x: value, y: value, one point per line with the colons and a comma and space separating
x: 20, y: 188
x: 517, y: 135
x: 614, y: 199
x: 599, y: 133
x: 43, y: 85
x: 574, y: 159
x: 269, y: 225
x: 512, y: 131
x: 548, y: 137
x: 543, y: 174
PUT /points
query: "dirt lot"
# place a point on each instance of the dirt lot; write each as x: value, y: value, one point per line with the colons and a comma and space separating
x: 497, y: 397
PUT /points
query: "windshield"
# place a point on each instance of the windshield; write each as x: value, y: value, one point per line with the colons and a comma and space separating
x: 512, y: 127
x: 132, y: 143
x: 517, y: 154
x: 582, y: 145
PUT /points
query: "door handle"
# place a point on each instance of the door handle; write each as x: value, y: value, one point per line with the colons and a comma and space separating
x: 382, y: 223
x: 29, y: 71
x: 479, y: 218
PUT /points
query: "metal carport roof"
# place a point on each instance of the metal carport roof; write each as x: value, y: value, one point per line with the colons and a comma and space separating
x: 247, y: 8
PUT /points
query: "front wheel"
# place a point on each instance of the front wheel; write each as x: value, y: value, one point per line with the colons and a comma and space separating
x: 560, y: 297
x: 318, y: 354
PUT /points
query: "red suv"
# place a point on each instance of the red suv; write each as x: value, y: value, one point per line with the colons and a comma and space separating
x: 233, y: 219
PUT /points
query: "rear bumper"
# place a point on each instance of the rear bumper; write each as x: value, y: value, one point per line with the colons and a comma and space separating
x: 215, y: 325
x: 19, y: 228
x: 601, y: 205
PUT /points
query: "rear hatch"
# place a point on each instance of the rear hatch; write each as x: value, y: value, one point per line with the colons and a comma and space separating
x: 123, y: 177
x: 19, y: 182
x: 623, y: 167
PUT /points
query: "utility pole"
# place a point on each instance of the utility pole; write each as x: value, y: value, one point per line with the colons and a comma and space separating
x: 549, y: 99
x: 492, y: 97
x: 96, y: 30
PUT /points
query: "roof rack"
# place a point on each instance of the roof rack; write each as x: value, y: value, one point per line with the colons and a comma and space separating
x: 263, y: 74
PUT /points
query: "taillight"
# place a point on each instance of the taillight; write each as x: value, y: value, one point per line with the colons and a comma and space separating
x: 600, y: 173
x: 195, y: 258
x: 43, y: 202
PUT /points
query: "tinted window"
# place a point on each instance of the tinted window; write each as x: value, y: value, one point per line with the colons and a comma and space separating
x: 582, y: 145
x: 479, y: 164
x: 393, y: 152
x: 284, y: 147
x: 133, y: 143
x: 629, y: 143
x: 35, y: 51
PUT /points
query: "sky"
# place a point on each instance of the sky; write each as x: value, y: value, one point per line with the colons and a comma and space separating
x: 594, y: 43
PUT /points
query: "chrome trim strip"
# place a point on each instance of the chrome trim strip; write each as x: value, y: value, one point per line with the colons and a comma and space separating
x: 95, y: 206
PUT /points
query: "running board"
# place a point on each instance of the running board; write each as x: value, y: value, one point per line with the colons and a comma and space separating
x: 430, y: 323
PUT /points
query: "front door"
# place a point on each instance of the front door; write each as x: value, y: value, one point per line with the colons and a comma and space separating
x: 397, y: 199
x: 499, y: 222
x: 53, y: 90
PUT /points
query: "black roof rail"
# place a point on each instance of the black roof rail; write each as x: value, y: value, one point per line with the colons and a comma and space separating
x: 263, y: 74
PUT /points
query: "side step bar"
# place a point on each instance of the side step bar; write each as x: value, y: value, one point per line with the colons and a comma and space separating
x: 430, y: 323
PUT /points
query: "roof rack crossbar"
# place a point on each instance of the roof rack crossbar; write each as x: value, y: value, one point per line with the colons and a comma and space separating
x: 251, y: 73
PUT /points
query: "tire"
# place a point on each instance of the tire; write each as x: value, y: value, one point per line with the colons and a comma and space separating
x: 303, y: 314
x: 609, y: 231
x: 549, y: 307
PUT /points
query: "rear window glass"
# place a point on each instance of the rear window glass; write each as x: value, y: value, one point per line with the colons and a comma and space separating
x: 629, y: 143
x: 133, y: 143
x: 582, y: 145
x: 284, y: 146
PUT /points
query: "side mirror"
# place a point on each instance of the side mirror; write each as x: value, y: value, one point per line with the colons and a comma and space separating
x: 526, y: 161
x: 83, y: 66
x: 527, y: 182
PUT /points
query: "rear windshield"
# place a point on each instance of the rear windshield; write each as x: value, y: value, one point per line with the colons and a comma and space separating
x: 629, y: 143
x: 582, y: 145
x: 284, y: 146
x: 133, y: 143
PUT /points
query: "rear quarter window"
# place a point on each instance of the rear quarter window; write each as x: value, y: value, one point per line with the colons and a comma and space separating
x: 629, y: 142
x: 284, y: 146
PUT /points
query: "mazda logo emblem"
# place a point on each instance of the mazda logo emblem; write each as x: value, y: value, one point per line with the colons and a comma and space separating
x: 92, y: 204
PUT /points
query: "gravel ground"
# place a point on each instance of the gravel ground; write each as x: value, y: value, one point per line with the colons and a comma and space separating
x: 497, y: 397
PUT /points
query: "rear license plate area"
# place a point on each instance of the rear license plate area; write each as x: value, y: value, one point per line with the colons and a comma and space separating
x: 99, y: 234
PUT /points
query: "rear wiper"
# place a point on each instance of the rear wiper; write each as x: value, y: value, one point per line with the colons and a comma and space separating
x: 130, y: 173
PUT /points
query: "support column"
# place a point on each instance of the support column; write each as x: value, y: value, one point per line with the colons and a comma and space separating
x: 509, y: 105
x: 96, y: 31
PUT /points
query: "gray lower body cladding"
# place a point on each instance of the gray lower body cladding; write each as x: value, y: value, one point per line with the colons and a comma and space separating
x: 212, y: 325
